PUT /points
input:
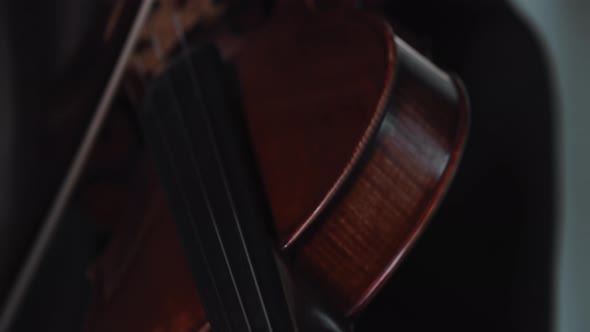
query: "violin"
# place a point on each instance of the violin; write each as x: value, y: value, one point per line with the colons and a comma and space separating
x: 354, y: 136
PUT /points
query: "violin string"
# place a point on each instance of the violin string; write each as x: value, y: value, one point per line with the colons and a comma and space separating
x: 184, y: 48
x: 184, y: 44
x: 176, y: 105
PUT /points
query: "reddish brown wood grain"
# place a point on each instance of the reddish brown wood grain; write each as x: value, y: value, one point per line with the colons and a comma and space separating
x: 310, y: 132
x: 314, y: 88
x: 361, y: 238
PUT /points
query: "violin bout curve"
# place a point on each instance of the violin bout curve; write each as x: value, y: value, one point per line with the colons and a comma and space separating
x: 349, y: 199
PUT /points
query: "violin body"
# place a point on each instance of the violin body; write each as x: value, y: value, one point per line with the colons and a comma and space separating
x: 356, y: 137
x: 351, y: 180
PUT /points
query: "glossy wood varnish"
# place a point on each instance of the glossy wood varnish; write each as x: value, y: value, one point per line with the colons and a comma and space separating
x: 326, y: 112
x: 365, y: 232
x: 313, y: 91
x: 356, y: 138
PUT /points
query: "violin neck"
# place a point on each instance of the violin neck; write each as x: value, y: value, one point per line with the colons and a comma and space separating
x: 210, y: 182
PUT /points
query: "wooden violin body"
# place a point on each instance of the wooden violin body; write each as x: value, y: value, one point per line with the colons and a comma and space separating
x: 356, y: 143
x: 356, y: 137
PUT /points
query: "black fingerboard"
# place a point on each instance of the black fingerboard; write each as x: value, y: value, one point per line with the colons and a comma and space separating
x: 192, y: 124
